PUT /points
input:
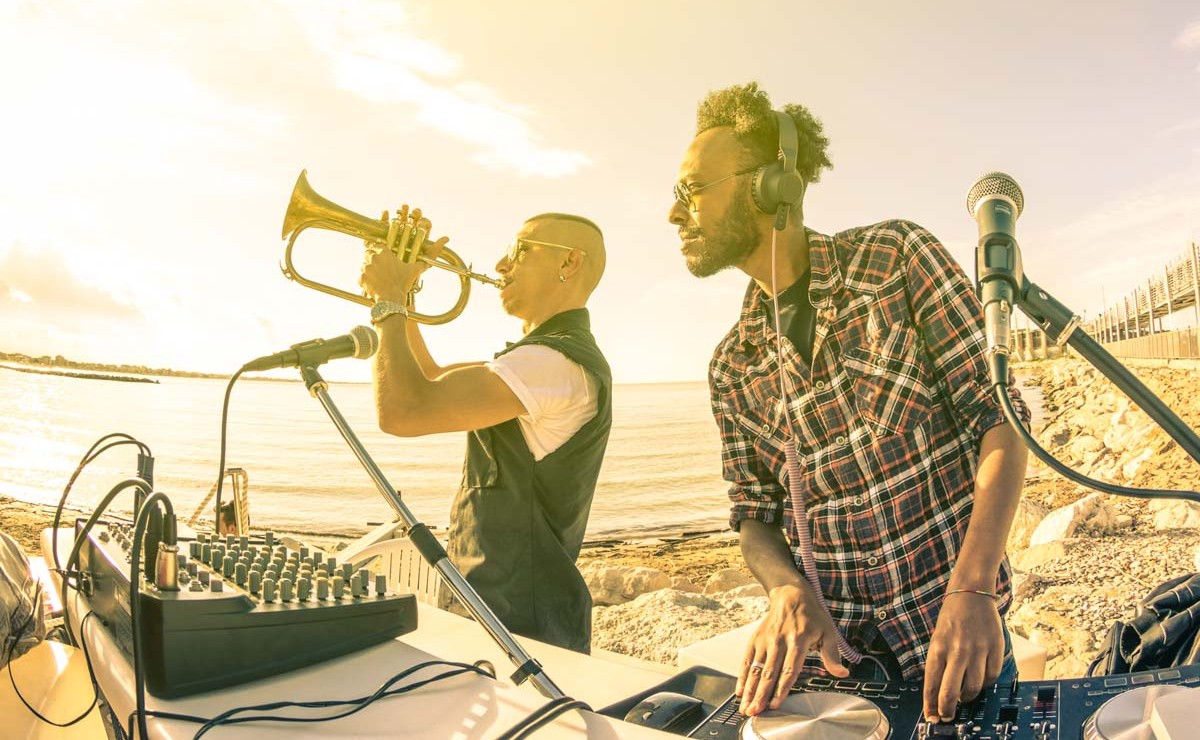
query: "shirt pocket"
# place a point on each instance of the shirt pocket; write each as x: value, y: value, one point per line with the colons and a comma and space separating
x: 887, y: 376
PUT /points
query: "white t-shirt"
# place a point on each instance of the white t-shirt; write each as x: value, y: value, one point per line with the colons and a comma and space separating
x: 558, y: 394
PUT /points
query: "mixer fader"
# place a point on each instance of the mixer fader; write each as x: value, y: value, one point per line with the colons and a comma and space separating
x: 246, y: 608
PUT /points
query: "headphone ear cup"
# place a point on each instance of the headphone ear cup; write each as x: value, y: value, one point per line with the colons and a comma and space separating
x: 764, y: 187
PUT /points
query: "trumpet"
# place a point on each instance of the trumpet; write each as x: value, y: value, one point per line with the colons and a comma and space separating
x: 309, y: 210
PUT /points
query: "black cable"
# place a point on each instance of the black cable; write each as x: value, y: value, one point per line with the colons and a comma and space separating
x: 81, y: 537
x: 87, y: 458
x: 1041, y: 454
x: 221, y: 464
x: 91, y: 674
x: 541, y: 717
x: 228, y: 718
x: 135, y: 604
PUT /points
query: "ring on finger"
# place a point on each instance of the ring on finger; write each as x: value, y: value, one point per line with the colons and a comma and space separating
x: 757, y: 667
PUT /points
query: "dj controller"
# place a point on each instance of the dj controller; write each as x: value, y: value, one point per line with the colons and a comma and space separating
x: 1116, y: 707
x: 245, y: 608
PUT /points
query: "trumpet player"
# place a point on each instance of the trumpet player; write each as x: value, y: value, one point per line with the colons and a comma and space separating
x: 537, y: 418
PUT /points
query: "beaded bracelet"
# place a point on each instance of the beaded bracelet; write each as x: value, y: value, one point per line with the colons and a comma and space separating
x: 992, y: 594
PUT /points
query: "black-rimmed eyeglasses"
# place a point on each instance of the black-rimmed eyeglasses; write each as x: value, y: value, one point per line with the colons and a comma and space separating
x: 684, y: 193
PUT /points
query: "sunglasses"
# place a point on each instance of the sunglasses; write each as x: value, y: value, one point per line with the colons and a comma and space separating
x: 520, y: 246
x: 684, y: 193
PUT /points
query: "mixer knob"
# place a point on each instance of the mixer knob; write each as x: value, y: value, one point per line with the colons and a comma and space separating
x: 285, y: 590
x: 184, y: 578
x: 303, y: 552
x: 322, y: 588
x: 243, y: 542
x: 205, y: 575
x: 193, y: 567
x: 380, y: 584
x: 331, y: 562
x: 318, y: 556
x: 339, y: 587
x: 268, y: 590
x: 227, y: 566
x: 216, y: 585
x: 303, y: 589
x: 239, y: 573
x: 206, y: 553
x: 255, y: 581
x: 269, y: 538
x: 196, y: 586
x: 194, y: 549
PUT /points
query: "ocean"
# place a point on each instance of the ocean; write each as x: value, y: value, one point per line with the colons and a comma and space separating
x: 661, y: 475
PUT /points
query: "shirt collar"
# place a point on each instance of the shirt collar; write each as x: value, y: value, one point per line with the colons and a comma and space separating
x: 824, y: 287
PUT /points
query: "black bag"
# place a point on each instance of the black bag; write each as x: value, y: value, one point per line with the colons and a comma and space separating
x: 1164, y: 634
x: 22, y: 619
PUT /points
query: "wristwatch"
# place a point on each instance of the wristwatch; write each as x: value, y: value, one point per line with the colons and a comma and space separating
x: 384, y: 309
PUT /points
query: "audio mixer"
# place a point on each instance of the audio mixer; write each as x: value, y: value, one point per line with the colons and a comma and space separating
x: 1115, y: 707
x: 246, y: 608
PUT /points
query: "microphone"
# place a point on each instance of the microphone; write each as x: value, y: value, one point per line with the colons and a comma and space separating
x: 360, y: 343
x: 995, y: 201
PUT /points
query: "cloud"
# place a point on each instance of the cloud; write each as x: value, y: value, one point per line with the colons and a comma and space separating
x: 376, y: 54
x: 1190, y: 38
x: 42, y: 284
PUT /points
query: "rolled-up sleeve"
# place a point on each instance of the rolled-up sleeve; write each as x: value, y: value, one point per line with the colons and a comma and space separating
x: 950, y: 319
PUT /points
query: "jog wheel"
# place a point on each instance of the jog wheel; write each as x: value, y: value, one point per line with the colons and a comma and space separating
x: 1126, y: 716
x: 819, y: 716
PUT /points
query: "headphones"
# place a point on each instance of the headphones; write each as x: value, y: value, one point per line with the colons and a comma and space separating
x: 778, y: 186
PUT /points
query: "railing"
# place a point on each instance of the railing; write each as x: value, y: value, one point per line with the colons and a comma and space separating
x: 1123, y: 326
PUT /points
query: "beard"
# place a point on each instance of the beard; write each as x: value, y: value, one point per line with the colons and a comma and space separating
x: 731, y: 241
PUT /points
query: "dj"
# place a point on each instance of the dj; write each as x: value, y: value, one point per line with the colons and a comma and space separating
x: 538, y: 417
x: 859, y: 432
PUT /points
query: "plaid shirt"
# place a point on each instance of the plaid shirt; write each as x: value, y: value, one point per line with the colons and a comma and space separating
x: 888, y: 422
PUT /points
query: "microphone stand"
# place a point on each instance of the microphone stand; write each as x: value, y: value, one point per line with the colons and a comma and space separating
x: 1064, y: 327
x: 432, y: 550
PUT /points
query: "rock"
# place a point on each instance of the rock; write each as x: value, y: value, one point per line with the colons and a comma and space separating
x: 725, y: 580
x: 1038, y: 555
x: 617, y: 584
x: 1130, y: 468
x: 1024, y: 585
x: 1122, y: 521
x: 750, y: 589
x: 1196, y: 559
x: 655, y: 625
x: 1174, y: 514
x: 1029, y: 515
x: 1061, y: 523
x: 679, y: 583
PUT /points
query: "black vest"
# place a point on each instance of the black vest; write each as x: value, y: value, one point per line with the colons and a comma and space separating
x: 517, y: 525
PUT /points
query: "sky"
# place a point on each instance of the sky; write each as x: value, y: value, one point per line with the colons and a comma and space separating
x: 148, y: 150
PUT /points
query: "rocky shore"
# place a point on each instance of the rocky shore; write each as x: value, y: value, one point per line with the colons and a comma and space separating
x: 1082, y: 559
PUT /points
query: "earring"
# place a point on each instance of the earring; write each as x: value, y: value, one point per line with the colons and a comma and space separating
x: 562, y: 278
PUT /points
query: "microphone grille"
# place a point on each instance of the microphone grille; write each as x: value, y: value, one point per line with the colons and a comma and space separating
x: 366, y: 341
x: 993, y: 184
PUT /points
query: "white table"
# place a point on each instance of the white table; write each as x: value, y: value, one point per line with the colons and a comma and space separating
x: 463, y: 708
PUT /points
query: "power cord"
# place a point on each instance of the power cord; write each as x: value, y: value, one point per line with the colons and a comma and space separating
x: 229, y: 717
x: 543, y: 716
x: 87, y: 660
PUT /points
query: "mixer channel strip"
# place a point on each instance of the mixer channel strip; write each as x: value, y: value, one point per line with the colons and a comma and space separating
x: 246, y: 608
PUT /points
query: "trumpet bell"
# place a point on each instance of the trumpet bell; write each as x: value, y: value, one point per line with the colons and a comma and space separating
x: 307, y: 209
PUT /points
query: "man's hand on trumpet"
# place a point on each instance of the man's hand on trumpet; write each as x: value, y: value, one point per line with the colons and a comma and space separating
x: 390, y: 274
